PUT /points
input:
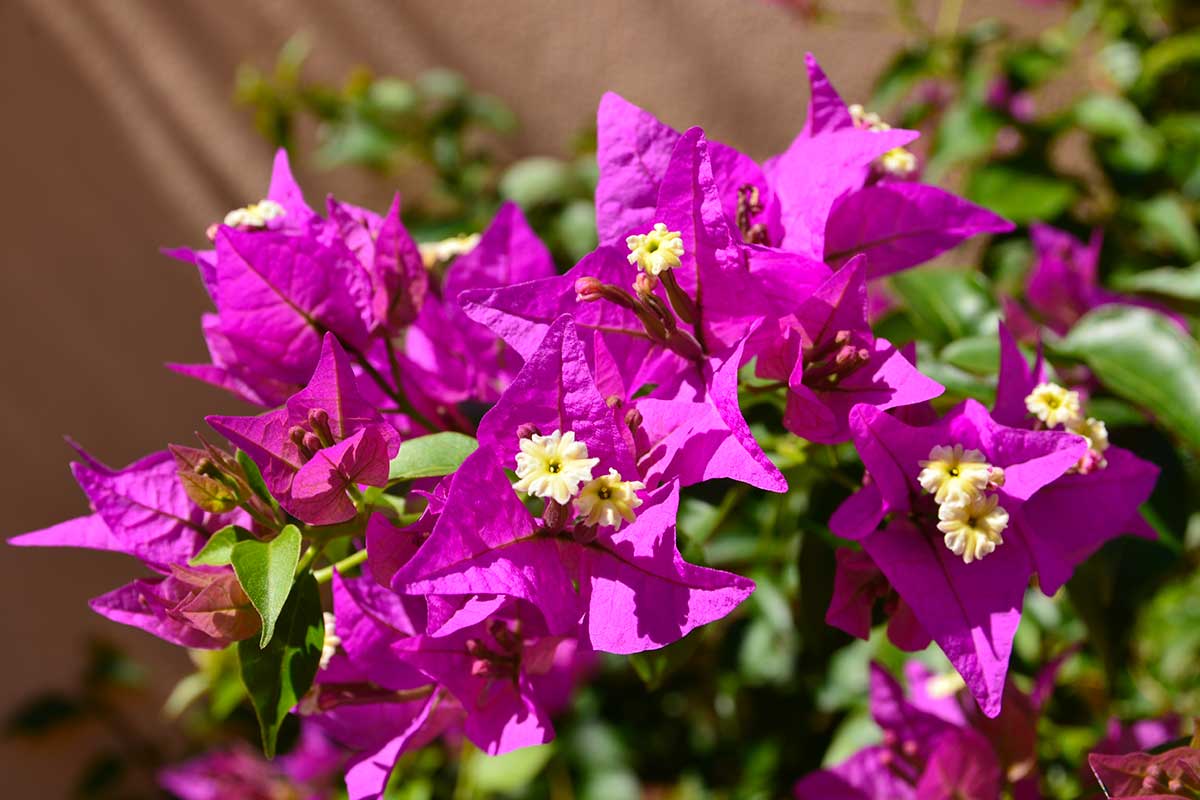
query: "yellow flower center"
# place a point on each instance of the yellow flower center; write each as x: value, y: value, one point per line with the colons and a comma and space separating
x: 446, y: 250
x: 658, y: 250
x: 1053, y: 405
x: 256, y: 215
x: 553, y: 466
x: 973, y: 529
x: 608, y: 500
x: 899, y: 161
x: 953, y: 474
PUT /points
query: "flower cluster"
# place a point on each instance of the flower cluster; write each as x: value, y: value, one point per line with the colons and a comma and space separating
x: 472, y: 585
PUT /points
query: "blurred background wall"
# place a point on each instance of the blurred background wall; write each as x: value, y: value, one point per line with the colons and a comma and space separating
x: 119, y: 136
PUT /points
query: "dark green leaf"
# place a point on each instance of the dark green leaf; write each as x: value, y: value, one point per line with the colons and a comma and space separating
x: 946, y: 304
x: 277, y: 676
x: 1168, y: 225
x: 655, y: 666
x: 1145, y: 358
x: 218, y: 550
x: 266, y: 571
x: 1018, y: 195
x: 431, y: 456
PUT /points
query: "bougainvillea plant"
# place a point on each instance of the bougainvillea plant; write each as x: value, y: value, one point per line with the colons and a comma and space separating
x: 479, y: 487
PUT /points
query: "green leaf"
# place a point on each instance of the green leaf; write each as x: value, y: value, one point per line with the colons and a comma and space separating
x: 1179, y: 283
x: 1168, y: 55
x: 218, y: 550
x: 1145, y: 358
x: 266, y: 571
x: 1168, y: 225
x: 1018, y: 195
x: 1108, y: 115
x: 977, y: 354
x: 511, y: 772
x: 536, y: 181
x: 655, y: 666
x: 946, y: 304
x: 255, y: 479
x: 278, y: 675
x: 431, y: 456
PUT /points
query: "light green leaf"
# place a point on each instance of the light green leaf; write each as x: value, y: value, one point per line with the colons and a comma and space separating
x: 277, y: 676
x: 511, y: 772
x: 219, y: 548
x: 1145, y: 358
x: 266, y: 571
x: 1108, y: 115
x: 431, y: 456
x: 536, y: 181
x: 977, y: 354
x: 1180, y: 283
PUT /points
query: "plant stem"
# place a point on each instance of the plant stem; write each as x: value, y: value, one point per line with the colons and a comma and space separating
x: 353, y: 560
x: 309, y: 556
x: 395, y: 394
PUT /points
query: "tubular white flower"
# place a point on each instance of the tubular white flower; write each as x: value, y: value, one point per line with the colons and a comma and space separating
x: 256, y: 215
x: 332, y: 642
x: 973, y: 529
x: 1053, y: 404
x: 439, y: 252
x: 553, y: 466
x: 899, y: 162
x: 608, y: 500
x: 953, y: 474
x: 658, y: 250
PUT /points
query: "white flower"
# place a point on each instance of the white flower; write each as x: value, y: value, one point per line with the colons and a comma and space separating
x: 256, y: 215
x: 973, y: 529
x: 953, y: 474
x: 553, y: 466
x: 440, y: 252
x: 1053, y: 404
x: 658, y: 250
x: 607, y: 500
x: 332, y: 642
x: 898, y: 162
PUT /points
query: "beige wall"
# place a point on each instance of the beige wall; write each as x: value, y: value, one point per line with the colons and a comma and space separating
x: 117, y: 136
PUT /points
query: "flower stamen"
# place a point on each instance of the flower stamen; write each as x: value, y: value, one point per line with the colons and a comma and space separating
x: 953, y: 474
x: 658, y: 250
x: 608, y: 500
x: 973, y: 529
x: 553, y: 466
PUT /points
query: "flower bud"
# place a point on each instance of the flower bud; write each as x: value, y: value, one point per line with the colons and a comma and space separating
x: 527, y: 430
x: 645, y: 284
x: 588, y: 289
